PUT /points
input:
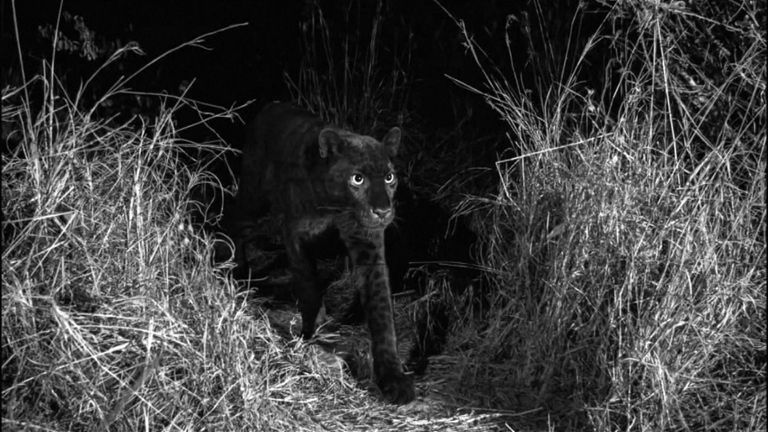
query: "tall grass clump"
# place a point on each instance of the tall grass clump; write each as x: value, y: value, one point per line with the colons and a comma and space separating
x: 627, y: 237
x: 112, y: 314
x: 346, y: 75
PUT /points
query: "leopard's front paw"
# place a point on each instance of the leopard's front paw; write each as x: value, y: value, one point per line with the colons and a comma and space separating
x: 396, y: 387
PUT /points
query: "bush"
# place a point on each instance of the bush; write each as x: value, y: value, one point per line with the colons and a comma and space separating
x: 627, y: 238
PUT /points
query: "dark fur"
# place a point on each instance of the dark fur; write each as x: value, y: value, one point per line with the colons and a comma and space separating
x: 302, y: 172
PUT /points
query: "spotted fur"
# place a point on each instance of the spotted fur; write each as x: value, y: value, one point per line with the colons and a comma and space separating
x: 318, y: 179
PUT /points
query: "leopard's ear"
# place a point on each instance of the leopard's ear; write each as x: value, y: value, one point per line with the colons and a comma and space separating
x: 392, y: 140
x: 329, y: 142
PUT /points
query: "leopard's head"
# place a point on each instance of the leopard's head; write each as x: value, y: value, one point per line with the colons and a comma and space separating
x: 361, y: 176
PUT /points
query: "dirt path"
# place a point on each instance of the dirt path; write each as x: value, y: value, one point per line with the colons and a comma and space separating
x: 442, y: 404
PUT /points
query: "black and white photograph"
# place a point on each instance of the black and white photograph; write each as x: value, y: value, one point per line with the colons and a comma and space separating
x: 383, y: 215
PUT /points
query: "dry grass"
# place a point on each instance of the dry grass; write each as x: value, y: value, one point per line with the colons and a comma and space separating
x: 341, y: 77
x: 628, y: 246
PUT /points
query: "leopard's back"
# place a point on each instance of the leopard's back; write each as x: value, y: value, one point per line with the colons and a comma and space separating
x: 276, y: 158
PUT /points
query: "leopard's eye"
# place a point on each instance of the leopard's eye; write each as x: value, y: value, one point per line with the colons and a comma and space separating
x: 389, y: 178
x: 356, y: 179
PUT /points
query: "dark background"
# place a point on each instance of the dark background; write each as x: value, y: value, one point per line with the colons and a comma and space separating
x: 248, y: 63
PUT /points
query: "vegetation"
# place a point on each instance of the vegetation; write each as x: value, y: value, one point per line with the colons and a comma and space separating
x: 626, y: 242
x: 622, y: 242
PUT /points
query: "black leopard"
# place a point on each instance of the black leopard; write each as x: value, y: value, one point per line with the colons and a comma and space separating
x: 314, y: 180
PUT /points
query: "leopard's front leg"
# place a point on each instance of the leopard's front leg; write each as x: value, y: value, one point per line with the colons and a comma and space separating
x: 304, y: 271
x: 368, y: 257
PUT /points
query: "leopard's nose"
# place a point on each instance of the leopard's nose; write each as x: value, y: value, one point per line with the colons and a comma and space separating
x: 382, y: 213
